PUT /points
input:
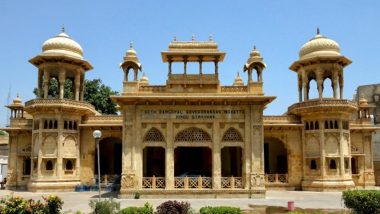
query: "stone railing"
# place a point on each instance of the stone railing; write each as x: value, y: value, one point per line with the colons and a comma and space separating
x: 325, y: 102
x: 105, y: 117
x: 193, y: 182
x: 153, y: 182
x: 232, y: 182
x: 234, y: 89
x: 280, y: 119
x: 192, y: 77
x: 54, y: 102
x: 276, y: 178
x: 107, y: 179
x: 152, y: 88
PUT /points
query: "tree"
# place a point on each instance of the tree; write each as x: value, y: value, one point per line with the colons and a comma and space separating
x: 95, y: 93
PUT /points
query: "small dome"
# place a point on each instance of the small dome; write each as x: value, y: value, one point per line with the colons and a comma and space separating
x: 131, y: 55
x: 319, y: 46
x: 17, y: 100
x: 363, y: 101
x: 62, y: 44
x: 238, y: 80
x: 255, y: 53
x: 144, y: 80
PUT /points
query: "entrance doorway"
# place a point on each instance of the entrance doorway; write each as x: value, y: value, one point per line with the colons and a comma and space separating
x: 192, y: 162
x: 110, y: 156
x: 154, y: 162
x: 275, y: 157
x: 231, y: 158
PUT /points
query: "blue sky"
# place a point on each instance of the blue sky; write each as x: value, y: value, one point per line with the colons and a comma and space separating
x: 104, y: 29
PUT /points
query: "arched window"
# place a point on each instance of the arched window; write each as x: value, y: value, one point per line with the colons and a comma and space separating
x: 313, y: 164
x: 311, y: 125
x: 49, y: 165
x: 316, y: 125
x: 332, y: 164
x: 69, y: 165
x: 154, y: 135
x: 307, y: 126
x: 232, y: 135
x: 326, y: 124
x: 75, y: 125
x: 192, y: 134
x: 331, y: 124
x: 26, y: 166
x: 46, y: 124
x: 55, y: 124
x: 70, y: 125
x: 336, y: 124
x: 65, y: 125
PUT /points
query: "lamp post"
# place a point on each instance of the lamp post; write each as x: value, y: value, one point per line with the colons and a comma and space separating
x: 97, y: 135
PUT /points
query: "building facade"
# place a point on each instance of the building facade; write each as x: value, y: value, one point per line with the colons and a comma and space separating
x: 191, y: 135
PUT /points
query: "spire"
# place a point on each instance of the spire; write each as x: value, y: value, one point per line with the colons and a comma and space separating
x: 254, y: 47
x: 174, y: 39
x: 210, y: 39
x: 131, y: 45
x: 238, y: 74
x: 63, y: 28
x: 193, y: 37
x: 318, y: 32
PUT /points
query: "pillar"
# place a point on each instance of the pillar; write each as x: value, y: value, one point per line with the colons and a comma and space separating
x: 341, y: 84
x: 200, y: 65
x: 46, y: 83
x: 39, y: 83
x: 322, y: 151
x: 61, y: 81
x: 216, y: 67
x: 304, y: 84
x: 299, y: 86
x: 250, y: 75
x: 77, y: 85
x: 319, y: 77
x: 335, y: 83
x: 135, y: 70
x: 216, y: 157
x: 185, y: 65
x: 341, y: 146
x: 170, y: 68
x: 82, y: 87
x: 169, y: 157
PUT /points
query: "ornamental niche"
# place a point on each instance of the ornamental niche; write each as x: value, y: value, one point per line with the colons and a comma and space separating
x: 192, y: 134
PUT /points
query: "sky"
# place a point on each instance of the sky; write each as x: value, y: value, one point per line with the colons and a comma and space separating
x: 104, y: 29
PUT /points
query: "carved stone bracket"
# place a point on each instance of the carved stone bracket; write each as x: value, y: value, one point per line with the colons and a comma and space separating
x: 128, y: 181
x: 257, y: 180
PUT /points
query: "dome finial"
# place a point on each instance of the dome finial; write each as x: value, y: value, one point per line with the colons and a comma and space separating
x: 318, y: 31
x: 238, y: 74
x: 254, y: 47
x: 210, y: 39
x: 193, y: 37
x: 174, y: 39
x: 131, y: 45
x: 63, y: 28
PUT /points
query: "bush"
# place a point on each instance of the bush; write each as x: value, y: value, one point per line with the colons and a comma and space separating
x: 362, y: 201
x: 173, y: 207
x: 220, y: 210
x: 146, y: 209
x: 104, y: 207
x: 13, y: 205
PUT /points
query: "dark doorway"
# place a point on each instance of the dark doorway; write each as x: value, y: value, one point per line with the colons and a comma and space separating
x: 275, y: 157
x: 192, y: 161
x: 110, y: 156
x: 231, y: 159
x: 154, y: 162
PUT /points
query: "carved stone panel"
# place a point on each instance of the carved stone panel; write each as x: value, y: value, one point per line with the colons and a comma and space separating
x: 49, y: 145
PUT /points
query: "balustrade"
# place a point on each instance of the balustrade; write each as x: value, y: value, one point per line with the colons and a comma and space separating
x: 276, y: 178
x: 232, y: 182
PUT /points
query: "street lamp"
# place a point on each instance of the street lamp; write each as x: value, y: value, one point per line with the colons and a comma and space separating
x: 97, y: 135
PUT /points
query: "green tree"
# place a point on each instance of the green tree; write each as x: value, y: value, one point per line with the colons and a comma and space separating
x: 95, y: 93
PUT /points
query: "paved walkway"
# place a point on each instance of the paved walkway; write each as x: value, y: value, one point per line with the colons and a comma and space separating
x: 78, y: 201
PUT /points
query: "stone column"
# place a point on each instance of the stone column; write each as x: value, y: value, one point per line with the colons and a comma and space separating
x: 61, y: 80
x: 322, y: 152
x: 170, y: 68
x: 304, y: 85
x: 185, y: 65
x: 319, y: 76
x: 299, y: 75
x: 39, y: 83
x: 257, y: 151
x: 46, y: 83
x: 250, y: 75
x: 341, y: 82
x: 200, y: 65
x: 82, y: 87
x: 341, y: 146
x: 60, y: 139
x: 335, y: 82
x: 12, y: 161
x: 216, y: 68
x: 77, y: 85
x: 169, y: 157
x: 135, y: 71
x: 216, y: 157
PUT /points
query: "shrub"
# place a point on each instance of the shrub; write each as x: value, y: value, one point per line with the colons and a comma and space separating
x: 146, y: 209
x: 104, y: 207
x: 173, y: 207
x: 220, y: 210
x: 137, y: 195
x: 53, y: 204
x: 362, y: 201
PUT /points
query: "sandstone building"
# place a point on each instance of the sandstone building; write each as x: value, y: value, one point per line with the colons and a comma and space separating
x: 192, y: 135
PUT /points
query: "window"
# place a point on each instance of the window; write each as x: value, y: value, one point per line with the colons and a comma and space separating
x: 332, y: 164
x: 316, y: 125
x: 65, y: 125
x: 307, y: 126
x: 232, y: 135
x: 326, y: 124
x: 69, y: 165
x: 336, y: 125
x: 313, y: 164
x: 75, y: 125
x: 49, y: 165
x: 26, y: 166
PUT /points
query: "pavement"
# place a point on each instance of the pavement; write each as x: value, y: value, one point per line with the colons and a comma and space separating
x: 78, y: 201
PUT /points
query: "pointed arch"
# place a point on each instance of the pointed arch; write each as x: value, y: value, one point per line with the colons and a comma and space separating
x: 232, y: 135
x: 192, y: 134
x: 154, y: 135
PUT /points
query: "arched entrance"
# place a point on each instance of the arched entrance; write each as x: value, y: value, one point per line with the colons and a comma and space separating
x: 192, y: 162
x: 275, y: 161
x: 231, y: 159
x: 110, y: 158
x: 154, y: 162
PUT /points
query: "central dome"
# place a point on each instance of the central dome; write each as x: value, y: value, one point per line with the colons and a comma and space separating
x: 62, y: 44
x: 319, y: 46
